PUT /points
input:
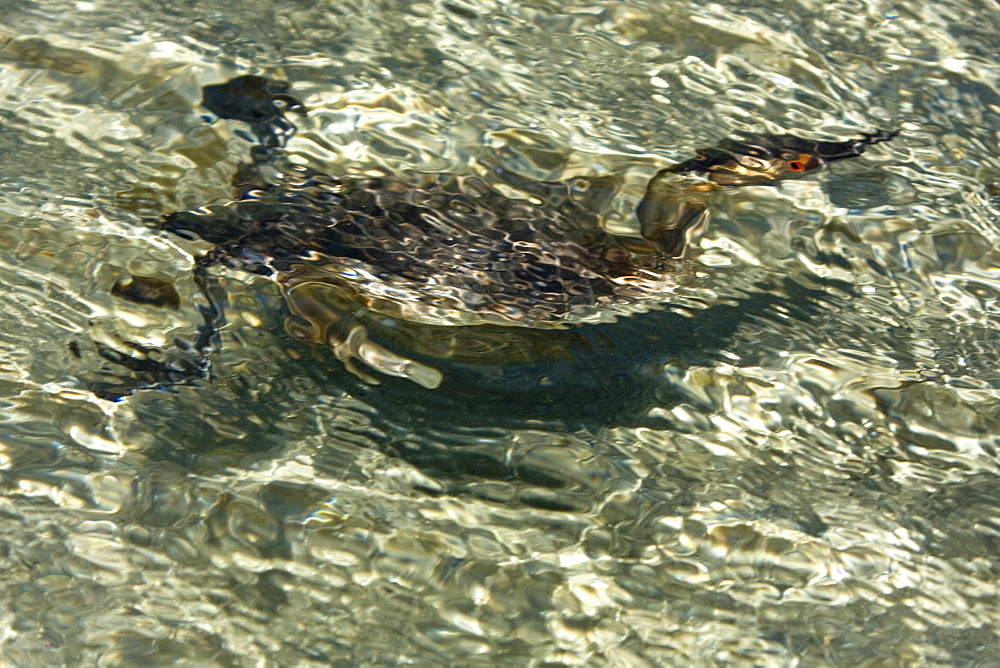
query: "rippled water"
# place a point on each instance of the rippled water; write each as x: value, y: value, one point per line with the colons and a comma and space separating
x: 798, y: 468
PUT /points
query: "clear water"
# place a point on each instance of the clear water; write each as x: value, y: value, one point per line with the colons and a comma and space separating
x: 800, y: 471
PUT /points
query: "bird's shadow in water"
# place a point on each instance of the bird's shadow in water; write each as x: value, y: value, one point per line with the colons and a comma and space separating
x: 612, y: 377
x: 457, y: 434
x: 452, y: 434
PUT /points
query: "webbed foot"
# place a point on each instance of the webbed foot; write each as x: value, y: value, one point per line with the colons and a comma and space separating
x: 147, y: 373
x: 357, y: 346
x: 326, y: 315
x: 183, y: 364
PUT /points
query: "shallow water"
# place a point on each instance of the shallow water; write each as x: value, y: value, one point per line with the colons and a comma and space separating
x: 797, y: 468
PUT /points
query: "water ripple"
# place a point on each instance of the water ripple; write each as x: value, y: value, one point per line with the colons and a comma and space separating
x: 793, y: 462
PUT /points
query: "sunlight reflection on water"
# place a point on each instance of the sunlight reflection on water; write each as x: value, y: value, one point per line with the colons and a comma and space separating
x: 794, y: 464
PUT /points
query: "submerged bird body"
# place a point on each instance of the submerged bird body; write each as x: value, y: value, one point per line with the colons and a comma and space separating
x: 455, y: 263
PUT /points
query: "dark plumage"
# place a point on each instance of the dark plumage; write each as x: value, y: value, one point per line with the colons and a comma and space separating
x: 453, y: 250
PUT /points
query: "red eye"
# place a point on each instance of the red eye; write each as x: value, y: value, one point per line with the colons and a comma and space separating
x: 797, y: 166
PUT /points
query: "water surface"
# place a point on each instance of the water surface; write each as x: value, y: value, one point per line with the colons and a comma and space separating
x: 799, y: 467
